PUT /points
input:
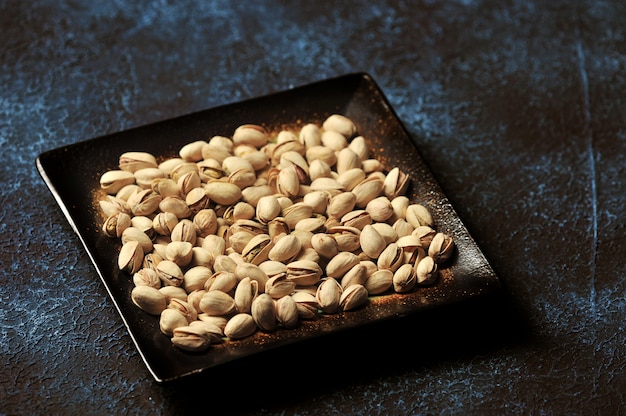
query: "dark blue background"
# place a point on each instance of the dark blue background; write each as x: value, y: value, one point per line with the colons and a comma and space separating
x: 517, y: 106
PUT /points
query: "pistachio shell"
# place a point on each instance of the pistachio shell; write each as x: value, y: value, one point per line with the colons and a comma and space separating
x: 441, y: 247
x: 114, y: 180
x: 263, y: 312
x: 404, y: 278
x: 133, y: 161
x: 341, y: 263
x: 340, y: 124
x: 328, y: 295
x: 287, y: 312
x: 223, y: 193
x: 130, y: 258
x: 372, y: 243
x: 379, y: 282
x: 426, y: 271
x: 246, y: 291
x: 170, y: 273
x: 149, y: 299
x: 418, y: 215
x: 240, y: 326
x: 171, y: 319
x: 217, y: 303
x: 353, y: 297
x: 191, y: 338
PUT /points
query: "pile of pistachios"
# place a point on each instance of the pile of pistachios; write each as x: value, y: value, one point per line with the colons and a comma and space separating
x: 263, y: 230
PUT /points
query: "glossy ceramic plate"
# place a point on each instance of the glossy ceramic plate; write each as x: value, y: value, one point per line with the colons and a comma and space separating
x: 358, y: 97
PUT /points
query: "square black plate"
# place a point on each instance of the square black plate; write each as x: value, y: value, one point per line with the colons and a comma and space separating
x: 72, y: 174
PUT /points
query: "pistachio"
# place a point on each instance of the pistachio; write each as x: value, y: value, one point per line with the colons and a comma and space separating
x: 191, y: 338
x: 224, y: 263
x: 287, y: 312
x: 356, y: 275
x: 418, y: 215
x: 201, y: 257
x: 250, y: 134
x: 425, y: 235
x: 396, y: 183
x: 404, y: 278
x: 135, y: 234
x: 334, y: 140
x: 325, y: 245
x: 296, y: 212
x: 318, y: 201
x: 197, y: 199
x: 441, y: 247
x: 180, y: 252
x: 341, y: 263
x: 217, y: 303
x: 340, y: 124
x: 115, y: 224
x: 328, y: 295
x: 351, y: 178
x: 192, y: 152
x: 254, y: 272
x: 164, y: 222
x: 173, y: 292
x: 267, y: 209
x: 341, y: 204
x: 372, y: 243
x: 263, y: 312
x: 387, y: 232
x: 353, y: 296
x: 221, y: 280
x: 319, y: 169
x: 145, y: 176
x: 195, y: 278
x: 426, y: 271
x: 146, y: 277
x: 240, y: 326
x: 390, y: 258
x: 379, y: 282
x: 223, y: 193
x: 279, y: 286
x: 246, y: 291
x: 112, y: 205
x: 306, y: 303
x: 205, y: 222
x: 133, y: 161
x: 185, y: 230
x: 310, y: 135
x: 347, y: 159
x: 148, y: 299
x: 114, y: 180
x: 215, y: 331
x: 366, y: 190
x: 358, y: 219
x: 359, y: 146
x: 182, y: 306
x: 130, y: 258
x: 176, y: 206
x: 380, y: 209
x: 278, y: 227
x: 304, y: 272
x: 170, y: 273
x: 171, y: 319
x: 258, y: 248
x: 166, y: 187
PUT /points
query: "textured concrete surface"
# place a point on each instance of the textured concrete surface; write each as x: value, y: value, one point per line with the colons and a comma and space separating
x: 517, y: 106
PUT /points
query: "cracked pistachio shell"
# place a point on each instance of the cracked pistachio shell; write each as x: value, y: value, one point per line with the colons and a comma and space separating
x: 181, y: 170
x: 328, y: 295
x: 372, y: 243
x: 348, y: 238
x: 353, y: 297
x: 258, y: 248
x: 285, y: 249
x: 115, y: 224
x: 148, y: 299
x: 358, y: 218
x: 185, y: 230
x: 277, y: 227
x: 214, y: 331
x: 298, y: 162
x: 242, y: 177
x: 379, y: 282
x: 279, y: 286
x: 185, y: 308
x: 209, y: 169
x: 296, y: 212
x: 111, y: 205
x: 224, y: 263
x: 214, y: 244
x: 131, y: 256
x: 180, y: 252
x: 173, y: 292
x: 402, y: 227
x: 263, y: 312
x: 247, y: 290
x: 240, y: 211
x: 425, y: 234
x: 341, y: 263
x: 404, y: 279
x: 238, y: 240
x: 272, y: 268
x: 217, y: 303
x: 418, y: 215
x: 287, y: 312
x: 197, y: 200
x: 391, y: 258
x: 386, y: 231
x: 330, y: 185
x: 133, y: 161
x: 191, y: 338
x: 311, y: 225
x: 201, y: 257
x: 396, y: 183
x: 306, y: 303
x: 189, y: 180
x: 146, y: 277
x: 240, y: 326
x: 347, y: 159
x: 171, y: 319
x: 288, y: 182
x: 399, y: 204
x: 426, y: 271
x: 194, y: 297
x: 192, y: 152
x: 113, y: 180
x: 340, y: 124
x: 250, y: 134
x: 441, y: 247
x: 304, y: 272
x: 170, y: 273
x: 127, y: 191
x: 151, y: 260
x: 164, y: 222
x: 223, y: 193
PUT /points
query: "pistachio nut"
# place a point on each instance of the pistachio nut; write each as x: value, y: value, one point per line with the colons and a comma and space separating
x: 310, y: 135
x: 195, y: 278
x: 176, y: 206
x: 182, y: 306
x: 352, y: 297
x: 304, y: 272
x: 250, y: 134
x: 319, y: 169
x: 318, y: 201
x: 135, y: 234
x: 223, y: 193
x: 425, y: 234
x: 372, y: 243
x: 247, y: 290
x: 166, y: 187
x: 254, y: 272
x: 114, y: 180
x: 205, y: 222
x: 417, y: 215
x: 306, y: 303
x: 240, y: 326
x: 359, y: 146
x: 358, y: 218
x: 221, y: 280
x: 287, y: 312
x: 130, y: 258
x: 115, y: 224
x: 146, y: 277
x: 171, y: 319
x: 191, y: 338
x: 267, y: 209
x: 263, y: 312
x: 258, y: 248
x: 404, y: 278
x: 192, y: 152
x: 366, y: 190
x: 441, y: 247
x: 396, y: 183
x: 347, y: 159
x: 379, y: 282
x: 426, y: 271
x: 180, y: 252
x: 341, y: 263
x: 356, y: 275
x: 351, y: 178
x: 341, y: 204
x: 145, y: 176
x: 279, y: 286
x: 325, y: 245
x: 380, y: 209
x: 173, y: 292
x: 112, y: 205
x: 185, y: 230
x: 164, y: 222
x: 334, y: 140
x: 391, y: 258
x: 328, y: 295
x: 148, y: 299
x: 217, y: 303
x: 133, y: 161
x: 296, y: 212
x: 340, y: 124
x: 170, y: 273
